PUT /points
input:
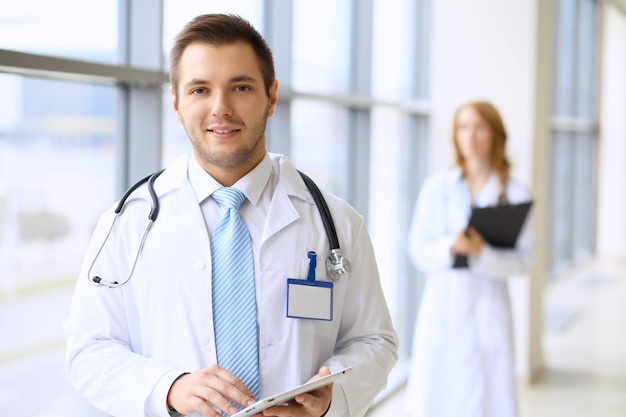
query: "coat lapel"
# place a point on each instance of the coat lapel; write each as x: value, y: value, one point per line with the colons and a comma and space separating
x: 185, y: 208
x: 282, y: 211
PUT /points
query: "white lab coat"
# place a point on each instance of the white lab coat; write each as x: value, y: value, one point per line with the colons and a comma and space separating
x: 125, y: 346
x: 463, y: 362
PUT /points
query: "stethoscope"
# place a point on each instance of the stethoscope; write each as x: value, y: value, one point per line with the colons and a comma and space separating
x: 336, y: 264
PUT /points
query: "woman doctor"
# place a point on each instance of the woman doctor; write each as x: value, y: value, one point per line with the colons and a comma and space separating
x: 463, y: 361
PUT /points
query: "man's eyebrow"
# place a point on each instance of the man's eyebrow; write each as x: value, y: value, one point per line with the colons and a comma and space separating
x: 195, y: 81
x: 243, y: 77
x: 236, y: 79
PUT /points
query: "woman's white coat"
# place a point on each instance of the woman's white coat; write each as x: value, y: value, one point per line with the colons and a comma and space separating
x: 463, y: 361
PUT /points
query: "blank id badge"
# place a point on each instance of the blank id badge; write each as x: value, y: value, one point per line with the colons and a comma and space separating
x: 309, y: 299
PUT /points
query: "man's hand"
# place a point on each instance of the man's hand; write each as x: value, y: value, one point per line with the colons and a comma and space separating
x: 208, y: 390
x: 312, y: 404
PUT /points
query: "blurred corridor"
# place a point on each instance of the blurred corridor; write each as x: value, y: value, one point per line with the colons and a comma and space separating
x: 584, y: 347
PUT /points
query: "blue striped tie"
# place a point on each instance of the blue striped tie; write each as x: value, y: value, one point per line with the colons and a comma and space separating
x: 234, y: 303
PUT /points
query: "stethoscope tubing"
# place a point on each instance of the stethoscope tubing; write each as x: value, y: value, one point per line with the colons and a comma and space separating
x: 152, y: 216
x: 336, y: 264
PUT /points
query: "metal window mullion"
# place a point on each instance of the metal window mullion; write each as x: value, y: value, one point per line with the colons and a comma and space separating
x: 278, y: 30
x: 74, y: 70
x: 414, y: 162
x: 143, y: 27
x: 420, y: 39
x: 587, y: 90
x: 566, y: 35
x: 359, y: 126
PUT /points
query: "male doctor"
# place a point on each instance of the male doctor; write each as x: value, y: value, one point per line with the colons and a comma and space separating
x: 148, y: 347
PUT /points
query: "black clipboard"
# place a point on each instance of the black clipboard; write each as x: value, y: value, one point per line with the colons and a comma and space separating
x: 499, y: 225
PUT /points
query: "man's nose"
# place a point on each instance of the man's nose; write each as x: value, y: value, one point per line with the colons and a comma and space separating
x: 221, y: 105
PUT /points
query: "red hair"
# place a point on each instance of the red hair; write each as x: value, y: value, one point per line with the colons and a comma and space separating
x: 499, y: 161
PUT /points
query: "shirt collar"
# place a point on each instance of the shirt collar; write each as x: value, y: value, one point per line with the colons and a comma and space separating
x: 252, y: 184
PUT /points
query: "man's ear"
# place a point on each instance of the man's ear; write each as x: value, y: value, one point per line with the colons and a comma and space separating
x: 175, y: 104
x: 273, y: 97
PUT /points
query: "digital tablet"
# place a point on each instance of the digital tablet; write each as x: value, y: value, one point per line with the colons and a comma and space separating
x: 288, y: 395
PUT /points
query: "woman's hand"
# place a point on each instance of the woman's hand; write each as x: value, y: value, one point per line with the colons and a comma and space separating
x: 468, y: 242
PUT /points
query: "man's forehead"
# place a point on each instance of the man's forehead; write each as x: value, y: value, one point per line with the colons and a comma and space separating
x: 238, y: 48
x: 234, y: 60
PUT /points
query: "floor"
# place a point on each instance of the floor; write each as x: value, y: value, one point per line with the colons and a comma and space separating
x: 585, y: 354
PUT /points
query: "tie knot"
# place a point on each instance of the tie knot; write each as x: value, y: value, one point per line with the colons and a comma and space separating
x: 229, y: 197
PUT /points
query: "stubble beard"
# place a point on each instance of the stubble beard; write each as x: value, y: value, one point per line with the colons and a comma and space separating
x: 240, y: 156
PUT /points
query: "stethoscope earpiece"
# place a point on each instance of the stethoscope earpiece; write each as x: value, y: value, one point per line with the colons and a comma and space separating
x: 99, y: 282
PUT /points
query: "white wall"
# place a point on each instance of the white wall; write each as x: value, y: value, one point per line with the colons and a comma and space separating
x: 484, y: 49
x: 499, y: 51
x: 611, y: 223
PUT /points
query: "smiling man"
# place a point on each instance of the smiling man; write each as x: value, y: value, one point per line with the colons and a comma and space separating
x: 224, y: 108
x: 205, y: 326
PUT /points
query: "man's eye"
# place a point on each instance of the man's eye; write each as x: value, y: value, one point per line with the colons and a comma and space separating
x: 198, y: 90
x: 243, y: 88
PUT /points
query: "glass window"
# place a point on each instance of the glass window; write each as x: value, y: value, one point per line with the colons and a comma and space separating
x: 565, y: 58
x: 587, y: 104
x: 57, y: 175
x: 584, y: 203
x: 562, y: 170
x: 574, y: 140
x: 388, y: 146
x: 175, y: 139
x: 319, y: 147
x: 321, y: 54
x: 398, y: 163
x: 52, y: 28
x: 397, y: 168
x: 392, y: 54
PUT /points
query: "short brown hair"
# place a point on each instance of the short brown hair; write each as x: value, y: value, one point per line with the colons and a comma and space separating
x: 221, y: 29
x: 499, y: 161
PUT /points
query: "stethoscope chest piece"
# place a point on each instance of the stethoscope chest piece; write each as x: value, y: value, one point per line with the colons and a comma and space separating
x: 336, y: 265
